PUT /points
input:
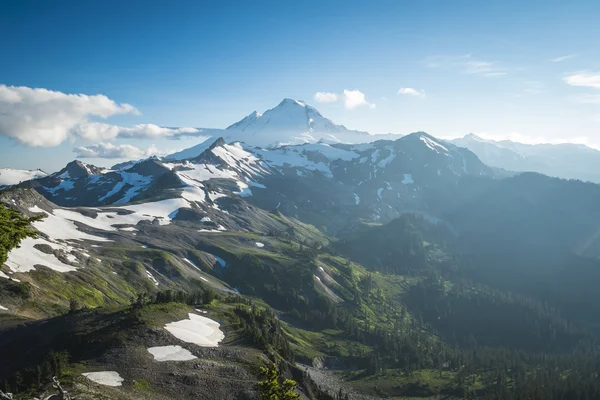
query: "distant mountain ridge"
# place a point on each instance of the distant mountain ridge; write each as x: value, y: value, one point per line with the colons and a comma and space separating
x: 566, y: 160
x: 374, y: 182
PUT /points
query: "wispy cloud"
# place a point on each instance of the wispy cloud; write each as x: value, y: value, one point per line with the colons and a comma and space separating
x: 483, y: 68
x: 126, y: 151
x: 585, y: 79
x: 563, y: 58
x: 326, y: 97
x: 95, y: 131
x: 467, y: 64
x: 411, y: 92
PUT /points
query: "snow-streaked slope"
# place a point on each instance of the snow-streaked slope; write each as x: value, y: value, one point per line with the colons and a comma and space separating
x: 9, y: 176
x: 306, y: 157
x: 190, y: 152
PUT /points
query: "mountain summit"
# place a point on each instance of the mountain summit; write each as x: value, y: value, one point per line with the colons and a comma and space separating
x: 291, y: 122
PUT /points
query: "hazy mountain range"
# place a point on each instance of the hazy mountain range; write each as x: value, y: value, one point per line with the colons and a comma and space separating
x: 567, y: 161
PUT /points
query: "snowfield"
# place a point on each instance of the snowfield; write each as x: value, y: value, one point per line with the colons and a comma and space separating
x: 9, y: 176
x: 299, y: 157
x: 106, y: 378
x: 197, y: 329
x: 171, y: 353
x: 25, y: 257
x: 61, y: 226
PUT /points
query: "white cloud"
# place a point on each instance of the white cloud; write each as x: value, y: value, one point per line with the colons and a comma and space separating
x: 467, y: 64
x: 94, y: 131
x: 44, y: 118
x: 584, y: 78
x: 108, y: 150
x: 326, y: 97
x: 411, y: 92
x: 563, y: 58
x: 354, y: 99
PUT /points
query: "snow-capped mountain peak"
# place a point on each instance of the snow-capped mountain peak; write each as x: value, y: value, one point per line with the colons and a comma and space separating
x: 291, y: 122
x: 292, y: 102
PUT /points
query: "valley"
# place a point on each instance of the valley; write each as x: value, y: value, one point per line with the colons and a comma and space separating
x: 403, y: 267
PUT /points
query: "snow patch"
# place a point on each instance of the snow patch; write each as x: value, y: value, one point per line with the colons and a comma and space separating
x: 135, y: 180
x: 106, y: 378
x: 432, y: 144
x: 384, y: 163
x: 374, y: 156
x: 220, y: 261
x: 152, y: 278
x: 25, y: 257
x: 220, y: 228
x: 197, y: 329
x: 192, y: 264
x: 259, y: 244
x: 63, y: 185
x: 171, y: 353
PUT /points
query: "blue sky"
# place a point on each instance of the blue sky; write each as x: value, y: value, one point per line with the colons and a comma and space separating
x: 503, y: 69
